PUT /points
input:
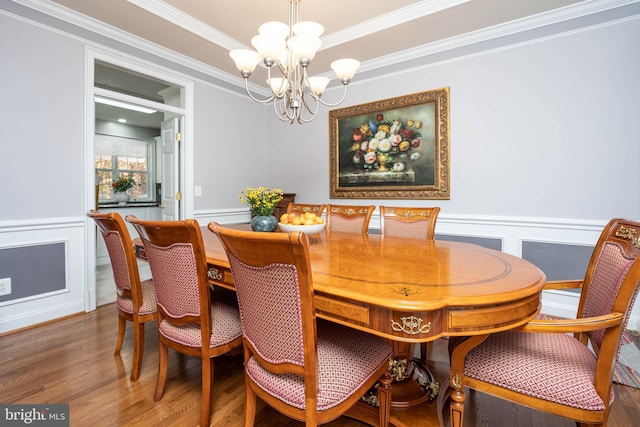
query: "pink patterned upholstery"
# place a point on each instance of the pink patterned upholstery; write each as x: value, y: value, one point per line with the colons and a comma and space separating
x: 413, y: 230
x: 176, y: 279
x: 518, y: 361
x: 611, y: 268
x: 113, y: 241
x: 149, y: 304
x: 264, y: 306
x: 117, y: 255
x: 225, y: 327
x: 340, y: 349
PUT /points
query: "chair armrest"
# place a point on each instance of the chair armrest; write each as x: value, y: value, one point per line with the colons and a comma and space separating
x: 563, y: 326
x: 563, y: 284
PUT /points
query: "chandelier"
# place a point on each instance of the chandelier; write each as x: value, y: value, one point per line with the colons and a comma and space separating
x: 287, y: 51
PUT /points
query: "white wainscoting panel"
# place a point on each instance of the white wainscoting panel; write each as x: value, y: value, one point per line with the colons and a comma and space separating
x: 23, y: 312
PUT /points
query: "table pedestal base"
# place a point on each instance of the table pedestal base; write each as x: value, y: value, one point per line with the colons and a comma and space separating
x: 413, y: 385
x: 418, y: 387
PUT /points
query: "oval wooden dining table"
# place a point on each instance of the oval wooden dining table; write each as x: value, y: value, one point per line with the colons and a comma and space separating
x: 409, y: 290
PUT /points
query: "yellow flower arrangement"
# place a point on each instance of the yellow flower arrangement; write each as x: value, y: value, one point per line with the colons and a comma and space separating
x: 262, y: 200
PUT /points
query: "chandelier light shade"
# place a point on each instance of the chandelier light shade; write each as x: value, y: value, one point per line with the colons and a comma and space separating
x: 287, y: 52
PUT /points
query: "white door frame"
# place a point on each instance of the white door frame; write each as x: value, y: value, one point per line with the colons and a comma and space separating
x: 186, y: 147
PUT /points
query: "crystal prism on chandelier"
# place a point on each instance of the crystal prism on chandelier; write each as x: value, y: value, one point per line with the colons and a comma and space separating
x: 287, y: 51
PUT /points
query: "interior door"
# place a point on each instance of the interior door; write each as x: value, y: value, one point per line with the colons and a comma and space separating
x: 170, y: 194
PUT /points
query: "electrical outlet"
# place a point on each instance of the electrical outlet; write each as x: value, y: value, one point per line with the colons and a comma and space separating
x: 5, y: 286
x: 198, y: 190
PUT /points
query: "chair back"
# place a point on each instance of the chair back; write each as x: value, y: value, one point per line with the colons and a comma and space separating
x: 177, y: 258
x: 416, y: 223
x: 121, y: 253
x: 272, y: 276
x: 612, y: 279
x: 349, y: 219
x: 302, y: 208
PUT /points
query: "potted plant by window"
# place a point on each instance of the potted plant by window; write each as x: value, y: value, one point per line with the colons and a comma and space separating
x: 120, y: 188
x: 262, y: 201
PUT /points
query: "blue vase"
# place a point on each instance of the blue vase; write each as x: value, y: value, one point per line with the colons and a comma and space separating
x: 264, y: 223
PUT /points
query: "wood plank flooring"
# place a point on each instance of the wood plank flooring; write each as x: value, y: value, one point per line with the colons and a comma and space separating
x: 71, y: 361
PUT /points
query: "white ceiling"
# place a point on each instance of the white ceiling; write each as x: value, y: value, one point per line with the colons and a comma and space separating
x: 379, y: 33
x: 371, y: 31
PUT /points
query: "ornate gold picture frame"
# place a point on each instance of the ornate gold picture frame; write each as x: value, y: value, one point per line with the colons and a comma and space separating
x: 396, y: 148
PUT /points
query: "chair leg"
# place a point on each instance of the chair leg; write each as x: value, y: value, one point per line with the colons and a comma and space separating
x: 138, y: 349
x: 384, y: 397
x: 122, y: 323
x: 207, y: 385
x: 163, y: 361
x: 249, y: 404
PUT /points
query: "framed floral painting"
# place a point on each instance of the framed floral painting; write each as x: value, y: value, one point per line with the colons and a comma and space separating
x: 396, y: 148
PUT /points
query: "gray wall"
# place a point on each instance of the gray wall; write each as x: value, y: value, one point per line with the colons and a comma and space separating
x: 546, y: 129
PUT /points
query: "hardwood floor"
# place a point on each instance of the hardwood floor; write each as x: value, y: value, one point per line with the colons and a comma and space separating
x: 71, y: 361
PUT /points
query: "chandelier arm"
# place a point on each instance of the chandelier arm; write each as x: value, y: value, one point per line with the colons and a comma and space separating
x: 283, y: 112
x: 261, y: 101
x: 310, y: 111
x: 344, y: 95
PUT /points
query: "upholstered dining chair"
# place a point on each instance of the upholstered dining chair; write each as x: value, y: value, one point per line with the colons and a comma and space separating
x: 308, y: 369
x: 302, y: 208
x: 349, y: 218
x: 191, y: 319
x: 135, y: 299
x: 417, y: 223
x: 561, y: 366
x: 412, y: 223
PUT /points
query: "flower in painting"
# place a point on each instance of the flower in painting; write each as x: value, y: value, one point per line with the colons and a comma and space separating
x: 384, y: 145
x: 370, y: 157
x: 357, y: 135
x: 378, y: 142
x: 395, y: 126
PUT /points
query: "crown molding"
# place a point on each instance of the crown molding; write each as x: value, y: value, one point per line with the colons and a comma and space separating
x: 382, y: 22
x: 567, y: 13
x: 187, y: 22
x: 582, y: 9
x: 389, y: 20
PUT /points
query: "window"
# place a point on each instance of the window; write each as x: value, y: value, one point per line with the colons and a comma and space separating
x: 117, y: 156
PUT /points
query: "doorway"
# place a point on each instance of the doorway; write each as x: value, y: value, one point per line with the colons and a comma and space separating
x: 136, y: 103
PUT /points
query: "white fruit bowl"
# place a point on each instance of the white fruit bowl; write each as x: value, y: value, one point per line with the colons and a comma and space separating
x: 309, y: 229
